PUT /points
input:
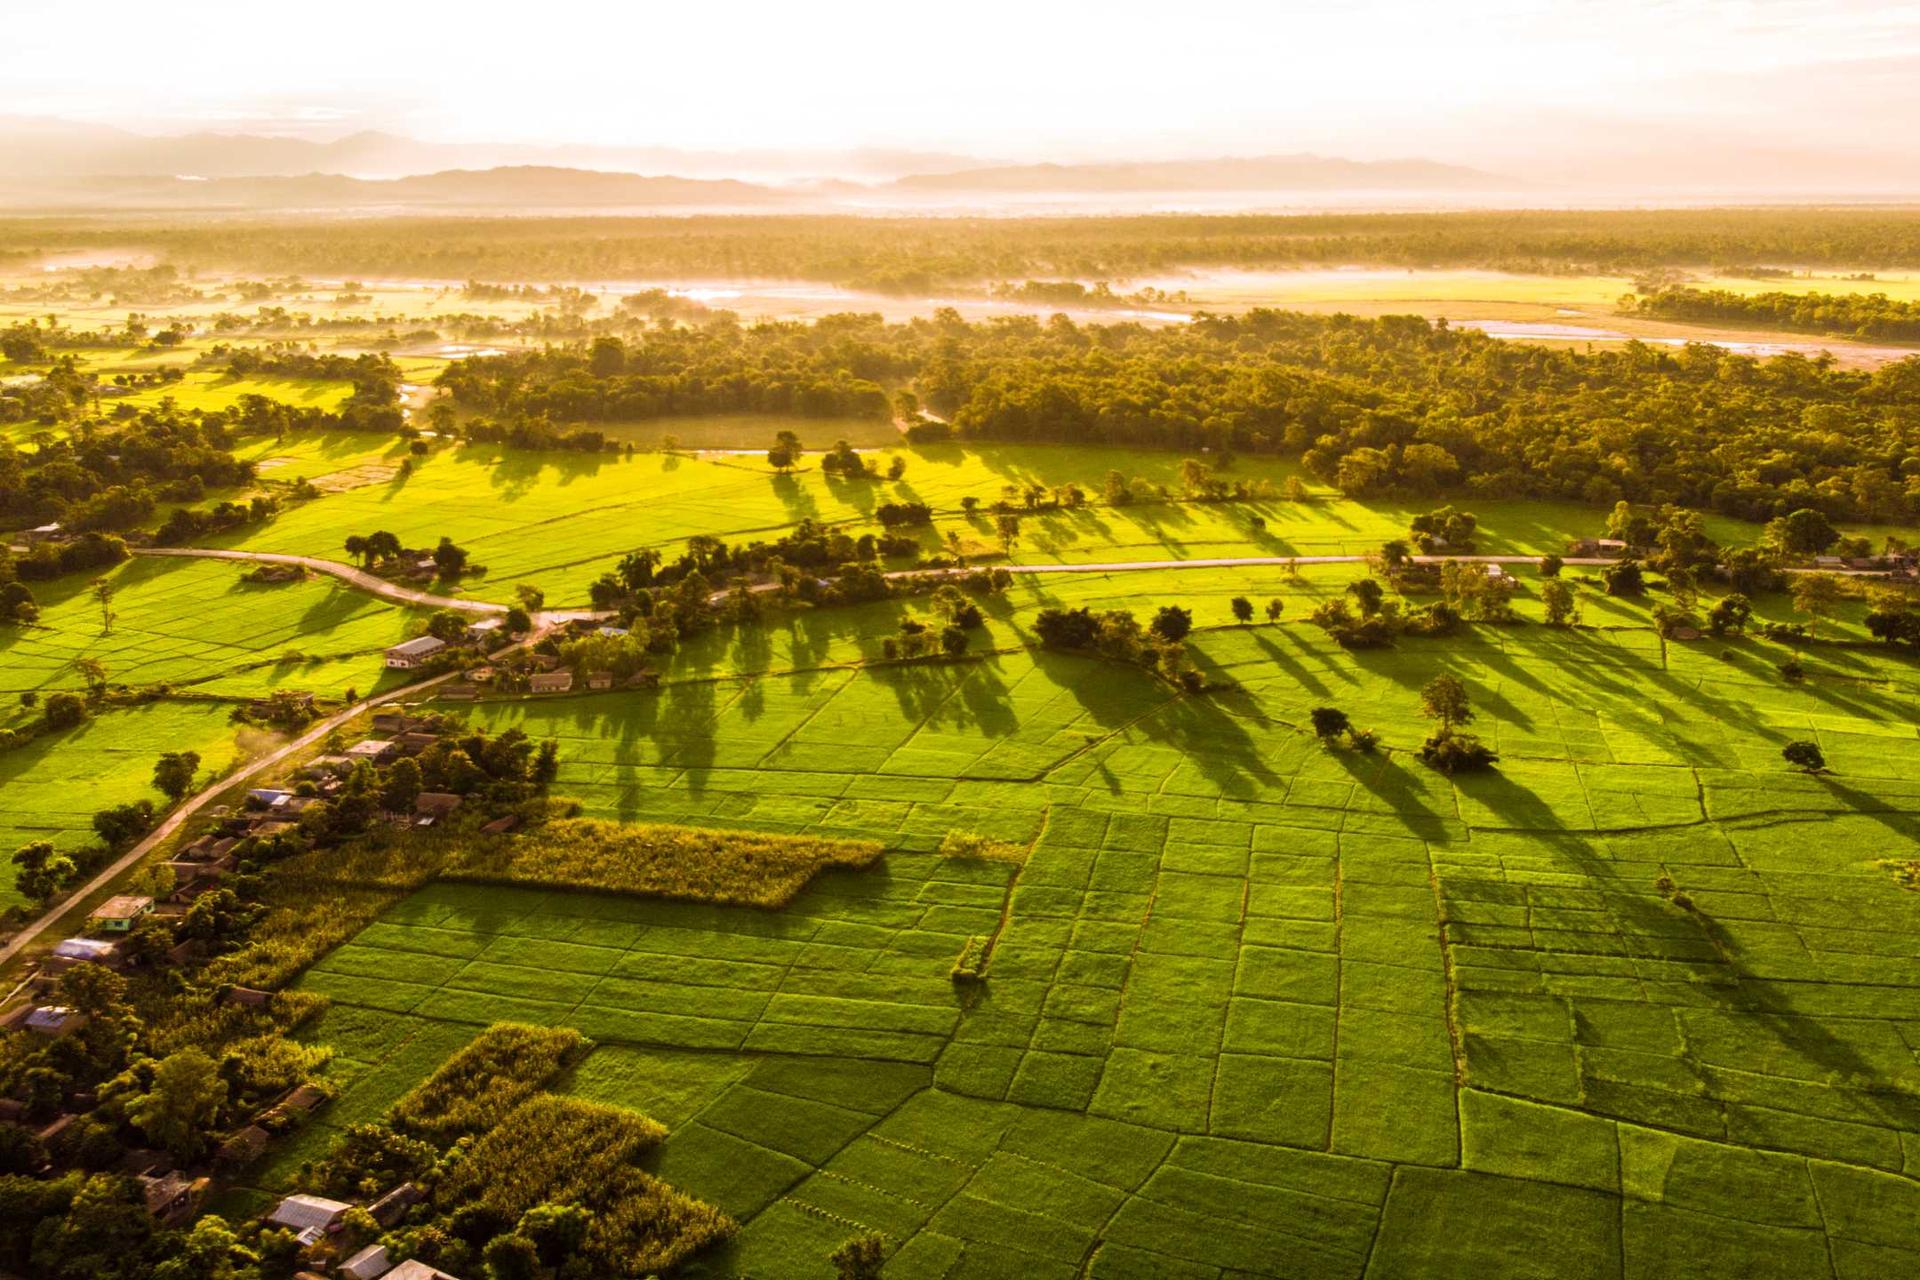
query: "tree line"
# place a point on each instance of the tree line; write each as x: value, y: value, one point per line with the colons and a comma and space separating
x: 904, y: 254
x: 1873, y: 315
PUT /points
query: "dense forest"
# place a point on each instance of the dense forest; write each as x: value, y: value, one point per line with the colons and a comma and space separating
x: 1874, y: 316
x: 1392, y: 405
x: 911, y: 254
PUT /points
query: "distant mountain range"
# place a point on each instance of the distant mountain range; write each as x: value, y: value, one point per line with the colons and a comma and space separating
x: 516, y: 187
x: 43, y: 147
x: 61, y: 164
x: 1249, y: 173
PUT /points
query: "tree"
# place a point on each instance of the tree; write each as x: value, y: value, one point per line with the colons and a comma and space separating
x: 1329, y: 722
x: 447, y: 624
x: 860, y: 1258
x: 1444, y: 527
x: 1800, y: 533
x: 1815, y: 594
x: 17, y: 603
x: 1805, y: 756
x: 356, y: 547
x: 512, y: 1257
x: 448, y: 559
x: 531, y: 598
x: 1557, y: 596
x: 1445, y: 699
x: 178, y: 1111
x: 211, y: 1251
x: 382, y: 545
x: 402, y: 786
x: 1624, y: 578
x: 91, y: 670
x: 174, y: 772
x: 1731, y: 612
x: 40, y: 872
x: 1007, y: 525
x: 780, y: 459
x: 1242, y: 609
x: 1368, y: 594
x: 63, y: 710
x: 896, y: 467
x: 1395, y: 556
x: 122, y: 824
x: 1275, y: 607
x: 1171, y: 623
x: 953, y: 641
x: 1550, y: 566
x: 516, y: 621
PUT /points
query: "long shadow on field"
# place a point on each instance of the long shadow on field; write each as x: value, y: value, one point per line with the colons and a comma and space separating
x: 1759, y: 1004
x: 1397, y: 791
x: 1215, y: 744
x: 1295, y: 668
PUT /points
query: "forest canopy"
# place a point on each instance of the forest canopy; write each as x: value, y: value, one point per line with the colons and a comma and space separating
x: 1382, y: 406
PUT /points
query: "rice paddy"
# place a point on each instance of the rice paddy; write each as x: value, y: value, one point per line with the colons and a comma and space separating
x: 1252, y: 1006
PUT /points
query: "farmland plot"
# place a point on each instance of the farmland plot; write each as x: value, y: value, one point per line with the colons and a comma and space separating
x: 1253, y: 1006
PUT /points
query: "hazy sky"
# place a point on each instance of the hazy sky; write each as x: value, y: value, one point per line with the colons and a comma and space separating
x: 1014, y: 78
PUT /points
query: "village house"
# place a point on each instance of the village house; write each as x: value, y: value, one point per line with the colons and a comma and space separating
x: 267, y: 798
x: 120, y: 914
x: 412, y: 653
x: 171, y: 1199
x: 370, y: 1263
x: 599, y: 679
x: 429, y: 806
x: 310, y: 1218
x: 54, y: 1021
x: 74, y: 951
x: 414, y: 1269
x: 550, y: 682
x: 371, y: 750
x: 327, y: 766
x: 414, y: 742
x: 388, y: 1209
x: 485, y: 629
x: 244, y: 1147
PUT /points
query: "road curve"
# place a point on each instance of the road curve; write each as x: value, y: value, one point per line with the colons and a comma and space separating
x: 368, y: 582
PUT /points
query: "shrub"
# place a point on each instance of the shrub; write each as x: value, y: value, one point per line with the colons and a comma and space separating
x: 1453, y: 752
x: 1805, y: 755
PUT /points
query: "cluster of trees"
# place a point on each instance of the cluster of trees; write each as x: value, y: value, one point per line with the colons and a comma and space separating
x: 809, y: 550
x: 375, y: 377
x: 1117, y: 634
x: 796, y: 369
x: 1873, y: 316
x: 187, y: 524
x: 383, y: 546
x: 112, y: 478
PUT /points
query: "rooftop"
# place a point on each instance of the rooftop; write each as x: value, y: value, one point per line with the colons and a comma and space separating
x: 418, y: 646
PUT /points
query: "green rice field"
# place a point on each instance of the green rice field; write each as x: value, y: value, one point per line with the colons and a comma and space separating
x: 1254, y: 1007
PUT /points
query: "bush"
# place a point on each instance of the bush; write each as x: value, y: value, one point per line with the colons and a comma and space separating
x: 1451, y: 752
